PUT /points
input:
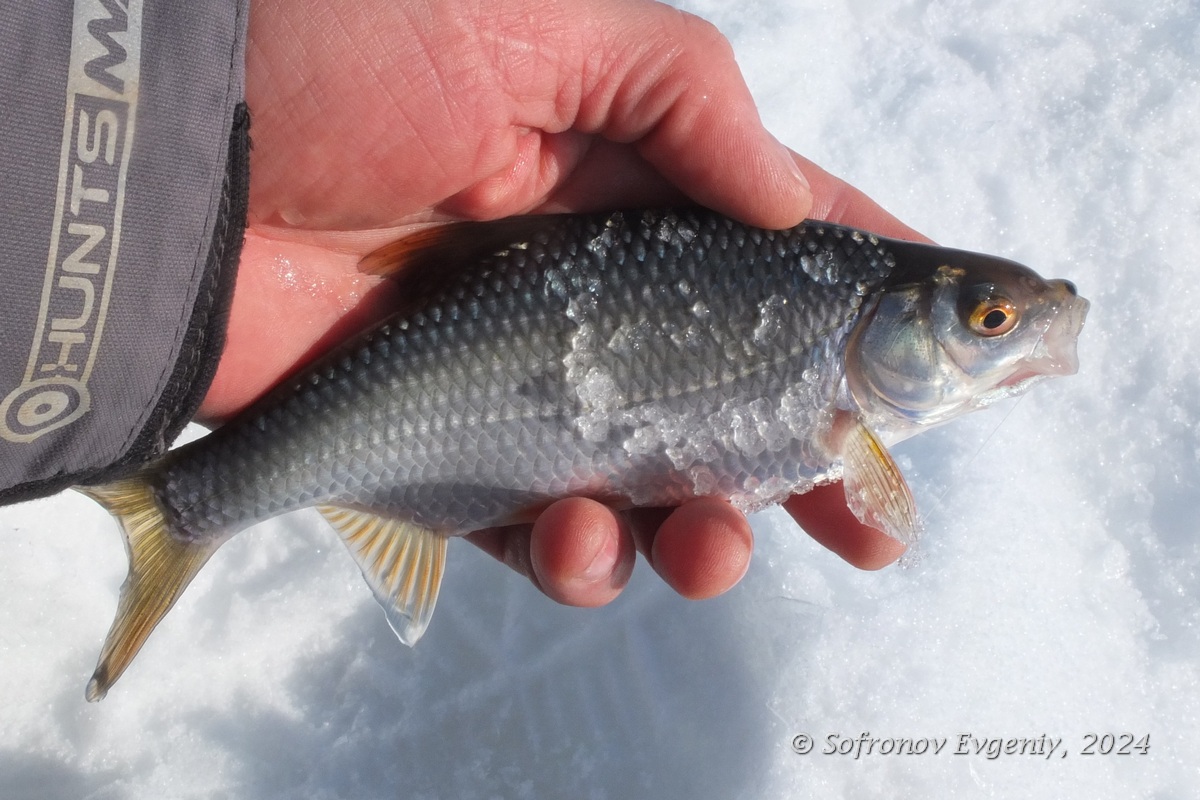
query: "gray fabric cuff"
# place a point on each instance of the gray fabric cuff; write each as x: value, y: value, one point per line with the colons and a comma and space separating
x: 123, y: 171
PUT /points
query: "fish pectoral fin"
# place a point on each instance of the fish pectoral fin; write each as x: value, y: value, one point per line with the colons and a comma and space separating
x: 161, y: 566
x: 402, y: 562
x: 875, y: 488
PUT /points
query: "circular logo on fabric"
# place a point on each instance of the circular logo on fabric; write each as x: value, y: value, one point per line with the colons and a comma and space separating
x: 38, y: 407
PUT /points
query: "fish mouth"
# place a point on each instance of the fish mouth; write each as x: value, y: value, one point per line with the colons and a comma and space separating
x: 1056, y: 351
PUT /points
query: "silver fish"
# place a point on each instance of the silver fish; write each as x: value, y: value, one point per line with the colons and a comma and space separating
x: 640, y: 358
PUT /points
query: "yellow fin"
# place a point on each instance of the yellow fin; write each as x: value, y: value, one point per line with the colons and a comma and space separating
x: 402, y: 562
x: 875, y: 489
x: 161, y: 566
x: 441, y: 248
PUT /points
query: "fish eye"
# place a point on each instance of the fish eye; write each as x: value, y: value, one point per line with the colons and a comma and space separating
x: 992, y: 316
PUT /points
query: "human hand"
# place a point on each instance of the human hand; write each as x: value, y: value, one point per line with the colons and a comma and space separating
x: 371, y: 118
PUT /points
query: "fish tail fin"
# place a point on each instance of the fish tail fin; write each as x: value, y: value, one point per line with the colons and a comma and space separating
x: 160, y: 567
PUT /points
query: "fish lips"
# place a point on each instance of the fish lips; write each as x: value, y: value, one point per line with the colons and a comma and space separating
x: 1056, y: 352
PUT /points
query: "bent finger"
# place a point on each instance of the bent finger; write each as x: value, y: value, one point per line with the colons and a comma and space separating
x: 579, y: 552
x: 700, y: 549
x: 824, y: 516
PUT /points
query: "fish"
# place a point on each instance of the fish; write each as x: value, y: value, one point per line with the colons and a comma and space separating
x: 638, y: 357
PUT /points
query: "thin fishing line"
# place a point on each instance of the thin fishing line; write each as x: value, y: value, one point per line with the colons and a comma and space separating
x: 936, y: 503
x: 935, y: 506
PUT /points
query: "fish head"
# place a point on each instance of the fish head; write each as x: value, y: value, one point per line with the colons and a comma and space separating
x: 953, y: 331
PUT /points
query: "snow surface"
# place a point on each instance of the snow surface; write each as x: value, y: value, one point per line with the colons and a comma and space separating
x: 1057, y: 591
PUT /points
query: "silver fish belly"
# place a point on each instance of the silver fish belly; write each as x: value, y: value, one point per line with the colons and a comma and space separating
x: 640, y: 358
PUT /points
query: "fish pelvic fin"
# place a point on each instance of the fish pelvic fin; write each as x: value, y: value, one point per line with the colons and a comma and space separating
x: 875, y: 488
x: 402, y: 562
x: 161, y: 565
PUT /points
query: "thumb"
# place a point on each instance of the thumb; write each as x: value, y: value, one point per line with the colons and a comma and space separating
x: 701, y: 127
x: 665, y: 82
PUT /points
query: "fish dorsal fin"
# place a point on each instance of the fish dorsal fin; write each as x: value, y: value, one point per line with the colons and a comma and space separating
x: 875, y: 488
x: 160, y: 568
x: 401, y: 561
x: 433, y: 251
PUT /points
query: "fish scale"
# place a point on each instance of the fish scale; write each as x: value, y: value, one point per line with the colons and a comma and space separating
x: 640, y: 358
x: 446, y: 361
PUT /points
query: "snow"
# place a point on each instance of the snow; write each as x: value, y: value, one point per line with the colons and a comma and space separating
x: 1056, y: 593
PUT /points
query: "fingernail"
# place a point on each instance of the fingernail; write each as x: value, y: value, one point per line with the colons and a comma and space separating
x: 603, y: 562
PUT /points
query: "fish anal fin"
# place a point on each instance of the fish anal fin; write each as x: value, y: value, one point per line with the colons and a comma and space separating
x: 161, y: 565
x: 402, y: 562
x: 875, y: 489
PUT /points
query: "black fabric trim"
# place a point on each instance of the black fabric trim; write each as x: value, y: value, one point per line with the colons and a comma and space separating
x: 204, y: 340
x: 200, y: 351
